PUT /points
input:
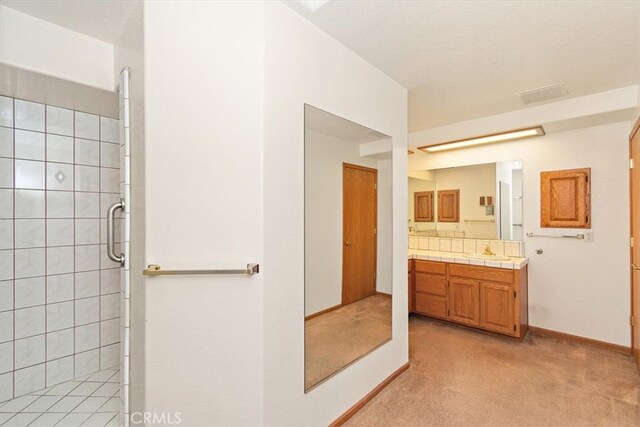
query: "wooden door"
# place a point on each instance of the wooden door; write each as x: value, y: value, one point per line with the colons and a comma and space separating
x: 359, y: 222
x: 634, y: 173
x: 565, y: 198
x: 464, y: 301
x: 449, y: 206
x: 423, y: 206
x: 496, y: 307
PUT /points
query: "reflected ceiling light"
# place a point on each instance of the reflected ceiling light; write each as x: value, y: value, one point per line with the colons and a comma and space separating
x: 486, y: 139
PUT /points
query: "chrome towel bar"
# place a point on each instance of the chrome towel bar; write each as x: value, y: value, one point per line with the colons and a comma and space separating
x: 481, y: 221
x: 577, y: 236
x: 156, y: 270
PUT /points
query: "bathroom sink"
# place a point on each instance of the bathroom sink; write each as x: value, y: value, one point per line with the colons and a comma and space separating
x: 492, y: 257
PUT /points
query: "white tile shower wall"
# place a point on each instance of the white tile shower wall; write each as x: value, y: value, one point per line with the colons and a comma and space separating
x: 499, y: 247
x: 125, y: 189
x: 59, y: 301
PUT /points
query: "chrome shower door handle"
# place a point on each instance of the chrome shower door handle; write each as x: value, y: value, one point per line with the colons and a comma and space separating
x: 111, y: 233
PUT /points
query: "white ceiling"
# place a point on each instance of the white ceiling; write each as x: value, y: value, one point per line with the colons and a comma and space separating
x: 326, y: 123
x: 105, y: 20
x: 467, y: 59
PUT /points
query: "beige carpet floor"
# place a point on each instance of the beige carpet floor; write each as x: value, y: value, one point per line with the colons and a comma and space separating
x: 339, y: 337
x: 464, y: 378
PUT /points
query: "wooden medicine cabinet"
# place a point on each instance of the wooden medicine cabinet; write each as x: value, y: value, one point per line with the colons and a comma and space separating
x: 449, y: 206
x: 423, y: 206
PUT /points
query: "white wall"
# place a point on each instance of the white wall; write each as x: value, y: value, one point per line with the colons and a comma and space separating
x: 229, y: 350
x: 36, y: 45
x: 575, y: 287
x: 305, y: 65
x: 384, y: 263
x: 204, y: 209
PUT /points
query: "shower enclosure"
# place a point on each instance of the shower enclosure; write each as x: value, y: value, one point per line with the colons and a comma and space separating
x: 64, y: 279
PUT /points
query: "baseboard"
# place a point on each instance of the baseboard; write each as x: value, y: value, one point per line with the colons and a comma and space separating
x: 355, y: 408
x: 582, y: 340
x: 326, y: 310
x: 384, y: 294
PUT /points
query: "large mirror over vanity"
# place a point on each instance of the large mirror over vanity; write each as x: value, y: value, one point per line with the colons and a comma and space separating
x: 482, y: 201
x: 466, y: 255
x: 348, y: 242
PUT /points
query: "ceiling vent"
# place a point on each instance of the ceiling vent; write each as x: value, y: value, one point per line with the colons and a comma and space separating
x: 544, y: 93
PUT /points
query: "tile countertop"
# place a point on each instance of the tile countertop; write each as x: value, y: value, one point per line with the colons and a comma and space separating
x: 459, y: 258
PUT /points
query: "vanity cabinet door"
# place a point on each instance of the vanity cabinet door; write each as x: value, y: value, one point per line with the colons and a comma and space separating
x: 464, y: 301
x: 496, y: 307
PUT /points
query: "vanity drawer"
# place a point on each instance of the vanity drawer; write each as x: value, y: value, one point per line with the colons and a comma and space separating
x: 431, y: 284
x: 431, y: 305
x: 430, y: 267
x: 489, y: 274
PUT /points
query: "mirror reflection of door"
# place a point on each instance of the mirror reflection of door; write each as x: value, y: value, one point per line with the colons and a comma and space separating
x: 359, y: 219
x: 348, y: 251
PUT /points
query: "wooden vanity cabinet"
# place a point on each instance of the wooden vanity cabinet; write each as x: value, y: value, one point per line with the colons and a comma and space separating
x: 497, y: 301
x: 430, y: 288
x: 410, y: 285
x: 493, y: 299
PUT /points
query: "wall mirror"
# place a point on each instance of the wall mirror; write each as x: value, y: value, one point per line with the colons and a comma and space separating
x: 348, y: 242
x: 482, y: 201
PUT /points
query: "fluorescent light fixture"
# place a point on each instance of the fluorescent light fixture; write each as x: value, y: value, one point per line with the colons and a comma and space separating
x: 486, y: 139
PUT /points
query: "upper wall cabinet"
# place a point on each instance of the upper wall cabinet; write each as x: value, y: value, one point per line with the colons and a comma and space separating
x: 565, y: 198
x: 423, y: 206
x: 449, y: 206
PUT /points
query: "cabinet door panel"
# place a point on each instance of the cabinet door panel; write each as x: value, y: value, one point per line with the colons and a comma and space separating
x: 431, y: 284
x: 431, y: 305
x: 423, y: 206
x: 496, y: 307
x: 430, y: 267
x: 411, y: 292
x: 464, y: 301
x: 449, y: 206
x: 565, y: 198
x: 481, y: 273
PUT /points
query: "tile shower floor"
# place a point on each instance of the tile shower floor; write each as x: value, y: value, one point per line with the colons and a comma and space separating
x: 93, y: 400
